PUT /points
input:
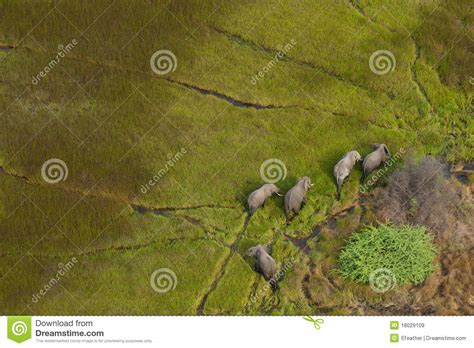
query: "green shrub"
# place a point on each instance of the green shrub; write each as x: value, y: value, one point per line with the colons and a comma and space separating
x: 405, y: 250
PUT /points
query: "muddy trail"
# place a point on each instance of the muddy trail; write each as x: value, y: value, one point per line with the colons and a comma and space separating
x: 198, y: 89
x: 329, y: 222
x: 283, y: 57
x: 233, y: 101
x: 6, y: 48
x: 415, y: 78
x: 140, y: 208
x: 462, y: 171
x: 233, y: 250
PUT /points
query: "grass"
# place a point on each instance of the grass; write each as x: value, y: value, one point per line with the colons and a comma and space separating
x: 123, y: 273
x: 406, y: 251
x: 231, y: 294
x: 116, y: 124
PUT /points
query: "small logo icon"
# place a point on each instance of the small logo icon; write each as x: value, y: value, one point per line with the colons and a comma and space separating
x: 54, y: 170
x: 382, y: 280
x: 393, y: 338
x: 163, y: 62
x: 382, y: 62
x: 273, y: 170
x: 394, y: 325
x: 19, y: 328
x: 316, y: 322
x: 163, y: 280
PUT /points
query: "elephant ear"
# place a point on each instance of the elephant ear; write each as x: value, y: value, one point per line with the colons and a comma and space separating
x: 375, y: 146
x: 251, y: 251
x: 275, y: 188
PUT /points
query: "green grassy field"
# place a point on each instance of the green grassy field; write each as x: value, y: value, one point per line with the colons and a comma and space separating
x: 115, y: 123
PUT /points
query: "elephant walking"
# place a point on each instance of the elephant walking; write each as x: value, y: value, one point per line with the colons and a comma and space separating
x: 296, y: 196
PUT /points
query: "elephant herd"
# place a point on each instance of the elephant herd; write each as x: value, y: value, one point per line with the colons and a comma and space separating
x: 296, y: 197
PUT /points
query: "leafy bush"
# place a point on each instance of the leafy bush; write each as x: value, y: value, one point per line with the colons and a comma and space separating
x: 405, y: 250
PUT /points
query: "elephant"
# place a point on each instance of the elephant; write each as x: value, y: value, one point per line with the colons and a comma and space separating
x: 296, y: 196
x: 264, y: 263
x: 375, y: 158
x: 258, y: 197
x: 343, y: 168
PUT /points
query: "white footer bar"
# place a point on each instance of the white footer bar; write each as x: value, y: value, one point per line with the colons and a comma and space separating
x: 239, y: 332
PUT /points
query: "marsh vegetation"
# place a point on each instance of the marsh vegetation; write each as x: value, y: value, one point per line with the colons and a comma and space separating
x: 116, y: 124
